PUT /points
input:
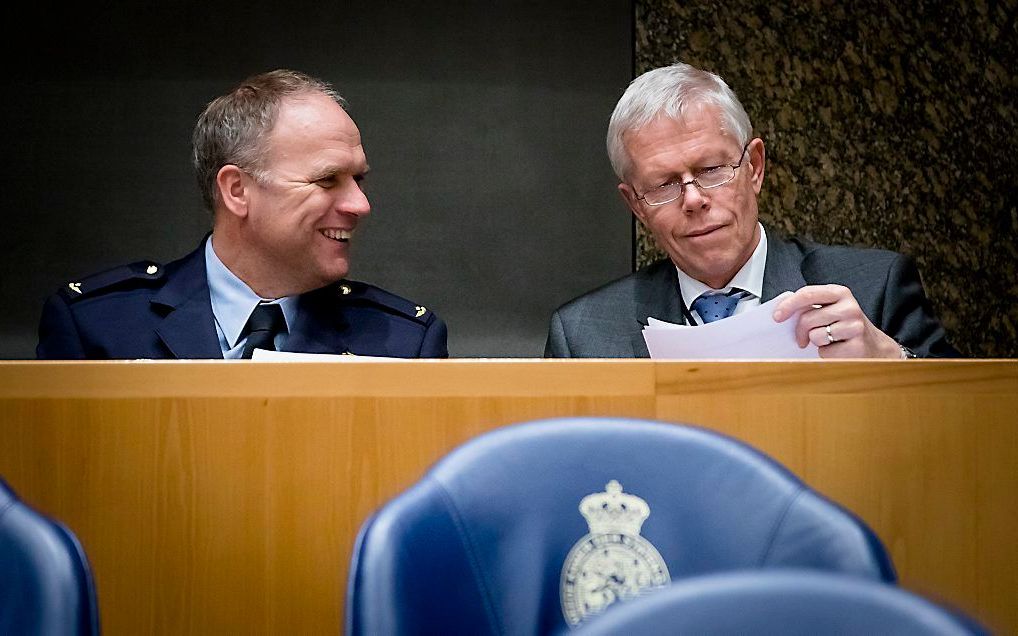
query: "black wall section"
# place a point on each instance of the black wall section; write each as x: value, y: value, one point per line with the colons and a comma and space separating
x: 484, y: 125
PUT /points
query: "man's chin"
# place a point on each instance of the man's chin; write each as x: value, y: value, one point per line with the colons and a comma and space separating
x: 323, y: 278
x: 335, y: 273
x: 707, y: 269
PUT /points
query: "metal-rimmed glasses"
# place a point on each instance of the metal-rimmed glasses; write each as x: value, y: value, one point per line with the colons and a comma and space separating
x: 705, y: 179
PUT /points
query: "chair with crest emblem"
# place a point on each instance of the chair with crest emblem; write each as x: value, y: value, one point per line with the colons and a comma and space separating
x: 45, y: 581
x: 538, y: 527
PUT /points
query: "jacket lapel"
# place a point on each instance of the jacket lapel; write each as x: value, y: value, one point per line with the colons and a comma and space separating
x: 657, y: 296
x: 189, y: 328
x: 783, y: 270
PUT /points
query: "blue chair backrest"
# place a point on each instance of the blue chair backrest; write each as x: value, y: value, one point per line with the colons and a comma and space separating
x: 479, y: 544
x: 779, y: 602
x: 46, y: 584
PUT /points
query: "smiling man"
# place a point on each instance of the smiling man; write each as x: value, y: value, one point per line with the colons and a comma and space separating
x: 280, y: 164
x: 680, y: 143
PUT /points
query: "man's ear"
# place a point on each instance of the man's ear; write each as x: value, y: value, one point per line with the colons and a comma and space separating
x: 234, y: 189
x: 628, y: 195
x: 757, y: 158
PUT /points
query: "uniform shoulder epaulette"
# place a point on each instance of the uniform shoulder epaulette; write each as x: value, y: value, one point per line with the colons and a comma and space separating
x: 355, y: 291
x: 142, y: 271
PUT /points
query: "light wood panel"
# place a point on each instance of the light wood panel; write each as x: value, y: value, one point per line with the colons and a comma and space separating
x: 924, y: 452
x: 224, y: 497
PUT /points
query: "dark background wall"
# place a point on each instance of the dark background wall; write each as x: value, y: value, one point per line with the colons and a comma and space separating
x: 483, y: 122
x: 886, y: 124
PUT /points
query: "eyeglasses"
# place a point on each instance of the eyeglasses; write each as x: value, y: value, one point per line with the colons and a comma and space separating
x: 713, y: 177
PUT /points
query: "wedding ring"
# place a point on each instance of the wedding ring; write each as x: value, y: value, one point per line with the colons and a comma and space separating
x: 830, y: 338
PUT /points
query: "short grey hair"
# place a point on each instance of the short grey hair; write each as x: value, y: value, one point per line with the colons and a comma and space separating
x: 234, y: 127
x: 672, y: 91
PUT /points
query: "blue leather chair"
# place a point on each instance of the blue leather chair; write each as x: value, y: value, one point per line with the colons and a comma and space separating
x: 779, y: 602
x: 492, y: 540
x: 45, y: 582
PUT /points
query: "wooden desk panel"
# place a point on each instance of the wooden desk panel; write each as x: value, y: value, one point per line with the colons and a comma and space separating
x: 925, y: 453
x: 224, y: 497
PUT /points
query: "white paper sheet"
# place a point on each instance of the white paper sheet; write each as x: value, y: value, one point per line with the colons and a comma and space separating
x: 749, y: 335
x: 262, y: 355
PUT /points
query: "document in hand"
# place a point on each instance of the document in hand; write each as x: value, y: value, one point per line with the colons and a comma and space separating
x: 749, y: 335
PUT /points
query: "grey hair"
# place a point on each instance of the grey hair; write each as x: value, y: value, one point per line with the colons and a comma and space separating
x: 234, y: 127
x: 672, y: 91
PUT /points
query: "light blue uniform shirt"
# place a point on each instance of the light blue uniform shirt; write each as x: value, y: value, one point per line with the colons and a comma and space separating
x: 232, y: 304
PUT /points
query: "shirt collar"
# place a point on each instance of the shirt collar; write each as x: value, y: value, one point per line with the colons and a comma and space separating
x: 749, y: 277
x: 233, y: 301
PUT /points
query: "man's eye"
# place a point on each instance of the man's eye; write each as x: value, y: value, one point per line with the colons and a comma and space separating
x: 326, y: 182
x: 709, y: 170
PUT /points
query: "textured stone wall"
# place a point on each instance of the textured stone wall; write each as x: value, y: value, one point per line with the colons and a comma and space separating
x: 887, y: 124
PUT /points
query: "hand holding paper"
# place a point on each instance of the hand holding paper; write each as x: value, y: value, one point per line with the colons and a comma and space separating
x: 750, y: 335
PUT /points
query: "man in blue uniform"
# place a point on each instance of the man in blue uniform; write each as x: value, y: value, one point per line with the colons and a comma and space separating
x: 280, y: 164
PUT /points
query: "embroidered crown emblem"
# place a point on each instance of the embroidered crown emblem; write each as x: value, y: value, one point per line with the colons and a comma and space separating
x: 613, y: 562
x: 612, y: 512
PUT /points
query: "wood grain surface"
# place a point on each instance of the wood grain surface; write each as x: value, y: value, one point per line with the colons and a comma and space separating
x: 225, y: 496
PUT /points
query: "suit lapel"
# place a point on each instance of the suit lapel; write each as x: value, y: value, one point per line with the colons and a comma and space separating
x: 657, y: 296
x: 783, y: 270
x: 189, y: 328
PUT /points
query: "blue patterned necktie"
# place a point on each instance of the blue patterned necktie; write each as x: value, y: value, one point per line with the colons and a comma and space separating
x: 713, y: 307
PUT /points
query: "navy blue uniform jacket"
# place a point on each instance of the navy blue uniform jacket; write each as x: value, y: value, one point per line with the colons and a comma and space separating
x: 144, y: 310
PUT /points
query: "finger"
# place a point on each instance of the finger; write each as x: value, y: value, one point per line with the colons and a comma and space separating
x: 833, y: 333
x: 845, y: 309
x: 838, y: 350
x: 809, y: 296
x: 789, y: 306
x: 852, y: 348
x: 803, y: 329
x: 813, y: 319
x: 820, y: 337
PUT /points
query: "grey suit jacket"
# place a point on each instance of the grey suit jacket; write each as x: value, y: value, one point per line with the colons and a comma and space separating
x: 608, y: 322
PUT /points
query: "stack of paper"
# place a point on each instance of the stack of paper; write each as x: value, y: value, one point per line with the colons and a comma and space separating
x: 263, y: 355
x: 749, y: 335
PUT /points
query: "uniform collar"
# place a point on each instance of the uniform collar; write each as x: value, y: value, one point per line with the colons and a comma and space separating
x: 233, y: 301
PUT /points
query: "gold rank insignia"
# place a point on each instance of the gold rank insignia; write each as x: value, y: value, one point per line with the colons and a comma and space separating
x: 345, y: 289
x: 75, y: 287
x: 151, y: 269
x: 420, y: 311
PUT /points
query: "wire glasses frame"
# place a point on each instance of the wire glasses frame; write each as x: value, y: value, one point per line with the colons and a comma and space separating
x: 706, y: 179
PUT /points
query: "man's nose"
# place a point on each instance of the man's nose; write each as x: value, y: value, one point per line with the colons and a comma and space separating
x: 353, y: 200
x: 693, y: 197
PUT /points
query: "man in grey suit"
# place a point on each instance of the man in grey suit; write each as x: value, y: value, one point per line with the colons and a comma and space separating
x: 680, y: 143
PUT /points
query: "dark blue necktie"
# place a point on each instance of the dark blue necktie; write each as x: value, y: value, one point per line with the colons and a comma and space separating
x: 265, y: 322
x: 713, y: 307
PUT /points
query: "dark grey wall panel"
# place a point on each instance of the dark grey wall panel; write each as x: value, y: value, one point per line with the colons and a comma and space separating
x: 483, y: 122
